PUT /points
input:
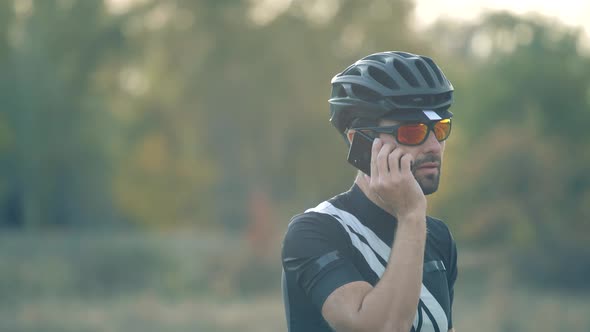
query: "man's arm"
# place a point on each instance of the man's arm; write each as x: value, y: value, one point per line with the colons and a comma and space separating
x: 391, y: 304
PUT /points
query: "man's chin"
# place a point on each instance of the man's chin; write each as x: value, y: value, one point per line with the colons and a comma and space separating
x: 429, y: 183
x: 427, y: 190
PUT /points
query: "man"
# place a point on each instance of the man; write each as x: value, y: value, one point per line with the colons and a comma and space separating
x: 370, y: 259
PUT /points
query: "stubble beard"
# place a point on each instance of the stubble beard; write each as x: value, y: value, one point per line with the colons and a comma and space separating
x: 429, y: 182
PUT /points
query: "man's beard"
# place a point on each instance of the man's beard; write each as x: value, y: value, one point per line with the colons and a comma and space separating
x: 428, y: 183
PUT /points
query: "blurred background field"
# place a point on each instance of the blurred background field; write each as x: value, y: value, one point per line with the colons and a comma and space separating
x: 152, y: 153
x: 71, y: 281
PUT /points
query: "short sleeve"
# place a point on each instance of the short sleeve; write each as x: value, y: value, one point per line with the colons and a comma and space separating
x: 316, y: 256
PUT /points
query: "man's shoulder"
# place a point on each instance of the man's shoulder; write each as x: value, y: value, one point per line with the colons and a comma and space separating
x: 438, y: 227
x: 323, y: 218
x: 439, y: 230
x: 309, y: 217
x: 314, y: 218
x: 435, y: 222
x: 313, y: 231
x: 324, y: 211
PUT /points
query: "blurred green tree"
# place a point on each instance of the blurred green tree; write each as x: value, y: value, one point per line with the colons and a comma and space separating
x: 246, y: 95
x: 55, y: 165
x: 520, y: 173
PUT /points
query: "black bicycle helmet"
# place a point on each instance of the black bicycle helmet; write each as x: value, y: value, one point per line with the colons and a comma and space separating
x: 395, y: 85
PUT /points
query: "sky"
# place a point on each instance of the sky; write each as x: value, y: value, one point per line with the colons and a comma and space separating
x: 570, y: 12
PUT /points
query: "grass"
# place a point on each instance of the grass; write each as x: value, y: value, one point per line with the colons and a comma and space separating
x: 215, y: 283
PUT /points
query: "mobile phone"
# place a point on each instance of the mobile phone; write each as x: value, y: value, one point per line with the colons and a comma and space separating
x: 359, y: 154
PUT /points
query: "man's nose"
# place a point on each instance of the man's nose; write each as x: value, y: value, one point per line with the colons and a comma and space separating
x: 432, y: 145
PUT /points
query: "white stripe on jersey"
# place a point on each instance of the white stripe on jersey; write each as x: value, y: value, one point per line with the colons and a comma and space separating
x: 378, y: 246
x: 368, y: 254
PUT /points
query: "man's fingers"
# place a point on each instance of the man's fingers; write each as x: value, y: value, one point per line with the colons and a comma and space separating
x: 377, y: 144
x: 406, y: 163
x: 394, y: 161
x: 382, y: 158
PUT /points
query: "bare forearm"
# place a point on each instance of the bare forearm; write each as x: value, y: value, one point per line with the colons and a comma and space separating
x: 391, y: 304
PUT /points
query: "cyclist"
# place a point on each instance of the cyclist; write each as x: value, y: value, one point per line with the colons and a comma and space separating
x: 370, y: 259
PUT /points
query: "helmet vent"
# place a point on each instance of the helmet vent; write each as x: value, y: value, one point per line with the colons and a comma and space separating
x: 422, y: 68
x: 365, y: 93
x: 405, y: 55
x: 382, y: 77
x: 413, y: 101
x: 434, y: 69
x: 442, y: 97
x: 406, y: 73
x: 420, y: 101
x: 355, y: 71
x: 376, y: 57
x: 340, y: 91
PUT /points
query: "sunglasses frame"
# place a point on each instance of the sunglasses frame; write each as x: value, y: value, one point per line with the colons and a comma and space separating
x: 392, y: 130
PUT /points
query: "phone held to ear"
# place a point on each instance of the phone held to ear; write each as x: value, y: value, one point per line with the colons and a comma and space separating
x: 359, y: 154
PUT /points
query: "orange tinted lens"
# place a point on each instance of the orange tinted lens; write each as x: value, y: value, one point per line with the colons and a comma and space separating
x: 442, y: 129
x: 412, y: 134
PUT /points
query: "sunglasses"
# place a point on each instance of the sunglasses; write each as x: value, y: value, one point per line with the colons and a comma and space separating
x: 414, y: 133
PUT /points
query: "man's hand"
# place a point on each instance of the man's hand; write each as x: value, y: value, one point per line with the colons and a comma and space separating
x: 393, y: 182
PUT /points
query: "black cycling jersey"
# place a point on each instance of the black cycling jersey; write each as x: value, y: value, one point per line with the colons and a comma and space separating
x: 349, y: 238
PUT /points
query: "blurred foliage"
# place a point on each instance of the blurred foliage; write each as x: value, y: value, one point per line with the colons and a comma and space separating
x: 159, y: 114
x: 522, y: 179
